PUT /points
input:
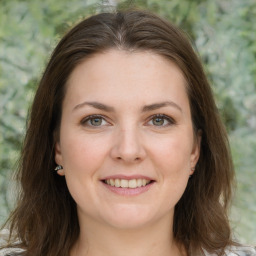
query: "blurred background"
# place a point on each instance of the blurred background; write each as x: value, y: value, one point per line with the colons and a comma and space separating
x: 224, y: 34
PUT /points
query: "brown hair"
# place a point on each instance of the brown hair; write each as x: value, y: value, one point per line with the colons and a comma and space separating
x: 45, y: 220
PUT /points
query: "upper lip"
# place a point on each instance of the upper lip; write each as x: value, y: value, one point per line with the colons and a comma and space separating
x: 127, y: 177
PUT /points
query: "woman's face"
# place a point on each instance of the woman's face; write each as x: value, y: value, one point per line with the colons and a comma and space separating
x: 126, y: 139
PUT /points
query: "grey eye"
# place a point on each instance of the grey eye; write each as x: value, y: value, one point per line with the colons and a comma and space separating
x: 94, y: 121
x: 97, y: 121
x: 161, y: 120
x: 158, y: 121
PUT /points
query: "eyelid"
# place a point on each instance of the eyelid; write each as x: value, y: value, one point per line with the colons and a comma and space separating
x: 87, y: 118
x: 170, y: 120
x: 166, y: 117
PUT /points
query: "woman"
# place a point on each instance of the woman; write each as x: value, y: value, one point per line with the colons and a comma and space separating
x: 125, y: 116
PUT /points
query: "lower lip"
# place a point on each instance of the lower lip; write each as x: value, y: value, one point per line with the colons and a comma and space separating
x: 128, y: 191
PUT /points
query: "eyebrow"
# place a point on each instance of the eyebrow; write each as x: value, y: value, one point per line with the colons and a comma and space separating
x: 146, y: 108
x: 161, y: 105
x: 96, y: 105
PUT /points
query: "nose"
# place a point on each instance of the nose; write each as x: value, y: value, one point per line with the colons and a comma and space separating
x: 128, y: 147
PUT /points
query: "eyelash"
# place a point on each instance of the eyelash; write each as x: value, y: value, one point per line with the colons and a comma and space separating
x: 90, y: 118
x: 170, y: 120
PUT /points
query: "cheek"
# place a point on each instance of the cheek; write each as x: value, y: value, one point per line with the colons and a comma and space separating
x: 172, y: 161
x: 82, y: 153
x: 173, y: 154
x: 82, y: 158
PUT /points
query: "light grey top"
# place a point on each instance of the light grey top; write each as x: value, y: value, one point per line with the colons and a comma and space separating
x: 234, y: 251
x: 238, y: 251
x: 231, y: 251
x: 6, y: 252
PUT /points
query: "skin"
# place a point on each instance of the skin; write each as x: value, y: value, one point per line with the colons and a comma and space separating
x: 126, y: 139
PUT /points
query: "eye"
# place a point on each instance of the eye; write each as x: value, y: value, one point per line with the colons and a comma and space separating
x: 161, y: 120
x: 94, y: 120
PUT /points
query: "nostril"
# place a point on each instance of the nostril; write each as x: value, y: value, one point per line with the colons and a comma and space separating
x: 135, y: 159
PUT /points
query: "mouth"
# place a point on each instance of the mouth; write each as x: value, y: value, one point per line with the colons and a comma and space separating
x: 125, y: 183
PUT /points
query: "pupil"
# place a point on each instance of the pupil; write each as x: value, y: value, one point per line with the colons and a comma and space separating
x: 96, y: 121
x: 158, y: 121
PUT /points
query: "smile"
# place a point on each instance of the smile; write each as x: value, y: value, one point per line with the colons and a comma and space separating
x: 124, y: 183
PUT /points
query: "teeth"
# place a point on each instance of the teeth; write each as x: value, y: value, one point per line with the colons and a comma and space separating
x: 124, y: 183
x: 117, y: 183
x: 139, y: 183
x: 134, y: 183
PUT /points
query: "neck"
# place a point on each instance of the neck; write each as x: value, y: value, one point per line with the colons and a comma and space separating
x: 99, y: 240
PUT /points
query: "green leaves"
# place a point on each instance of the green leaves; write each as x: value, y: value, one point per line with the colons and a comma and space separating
x: 29, y: 31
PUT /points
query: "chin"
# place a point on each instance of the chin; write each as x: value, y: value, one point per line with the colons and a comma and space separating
x: 130, y: 218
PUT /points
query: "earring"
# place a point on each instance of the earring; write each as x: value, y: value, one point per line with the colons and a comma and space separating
x: 58, y: 167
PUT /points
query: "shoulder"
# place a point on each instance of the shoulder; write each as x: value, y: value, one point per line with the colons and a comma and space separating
x: 241, y: 251
x: 10, y: 251
x: 7, y: 251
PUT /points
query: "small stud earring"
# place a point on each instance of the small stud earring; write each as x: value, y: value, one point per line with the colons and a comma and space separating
x: 58, y: 167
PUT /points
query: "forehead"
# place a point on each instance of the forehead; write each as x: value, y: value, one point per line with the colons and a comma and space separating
x: 141, y: 75
x: 118, y: 59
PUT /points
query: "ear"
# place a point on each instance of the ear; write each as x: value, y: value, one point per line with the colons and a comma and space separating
x: 195, y: 154
x: 58, y: 158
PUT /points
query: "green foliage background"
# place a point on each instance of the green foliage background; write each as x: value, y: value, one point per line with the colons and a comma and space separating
x: 223, y: 32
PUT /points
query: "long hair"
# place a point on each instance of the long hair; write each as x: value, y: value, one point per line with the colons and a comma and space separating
x: 45, y: 220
